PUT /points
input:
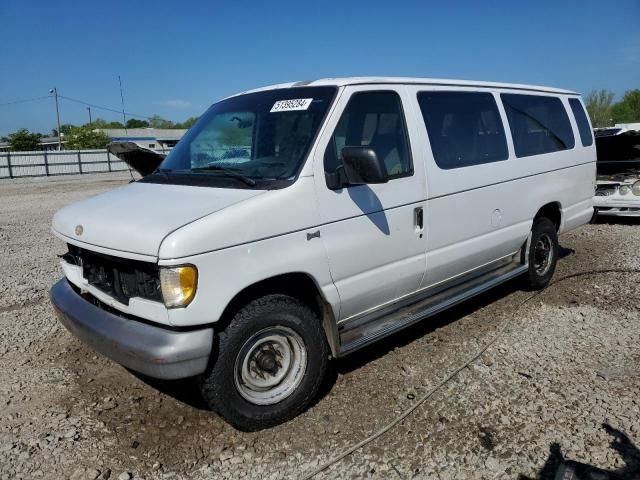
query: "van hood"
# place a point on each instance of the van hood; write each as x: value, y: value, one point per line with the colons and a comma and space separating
x: 137, y: 217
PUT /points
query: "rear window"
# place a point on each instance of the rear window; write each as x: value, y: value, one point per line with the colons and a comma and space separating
x: 583, y: 122
x: 464, y: 128
x: 538, y: 124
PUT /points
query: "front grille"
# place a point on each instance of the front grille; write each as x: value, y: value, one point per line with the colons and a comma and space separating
x: 119, y: 278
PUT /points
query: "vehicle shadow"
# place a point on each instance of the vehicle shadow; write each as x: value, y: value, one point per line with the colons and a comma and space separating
x: 369, y: 203
x: 557, y: 467
x: 404, y: 337
x: 187, y: 391
x: 565, y: 252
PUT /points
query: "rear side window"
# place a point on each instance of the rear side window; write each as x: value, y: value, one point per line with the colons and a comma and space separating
x: 583, y: 123
x: 464, y: 128
x: 538, y: 124
x: 372, y: 119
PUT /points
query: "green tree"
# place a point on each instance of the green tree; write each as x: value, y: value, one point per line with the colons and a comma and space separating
x: 627, y: 110
x: 135, y: 123
x: 157, y: 121
x: 86, y: 138
x: 23, y: 140
x: 598, y: 104
x: 100, y: 123
x: 65, y: 129
x: 188, y: 123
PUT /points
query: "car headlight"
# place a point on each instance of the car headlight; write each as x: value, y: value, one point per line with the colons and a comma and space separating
x: 178, y: 285
x: 624, y: 189
x: 635, y: 188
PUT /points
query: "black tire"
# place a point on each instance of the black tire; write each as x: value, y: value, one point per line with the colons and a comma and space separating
x: 539, y: 274
x: 223, y: 385
x: 594, y: 217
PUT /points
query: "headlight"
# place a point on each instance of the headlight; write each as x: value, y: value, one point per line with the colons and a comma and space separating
x: 635, y: 189
x: 624, y: 189
x: 178, y: 285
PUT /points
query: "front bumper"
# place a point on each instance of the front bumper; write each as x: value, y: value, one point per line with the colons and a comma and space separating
x: 154, y: 351
x: 617, y: 205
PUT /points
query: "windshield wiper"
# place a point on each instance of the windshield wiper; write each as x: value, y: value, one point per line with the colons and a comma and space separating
x: 227, y: 172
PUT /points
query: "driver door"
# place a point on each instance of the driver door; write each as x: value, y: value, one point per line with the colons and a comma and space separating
x: 373, y: 234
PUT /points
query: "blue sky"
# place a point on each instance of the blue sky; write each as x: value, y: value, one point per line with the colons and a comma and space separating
x: 176, y: 58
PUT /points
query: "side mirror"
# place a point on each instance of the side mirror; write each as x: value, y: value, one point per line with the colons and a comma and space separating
x: 362, y: 165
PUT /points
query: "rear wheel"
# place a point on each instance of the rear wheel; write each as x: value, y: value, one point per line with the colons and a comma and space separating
x: 543, y: 253
x: 270, y: 363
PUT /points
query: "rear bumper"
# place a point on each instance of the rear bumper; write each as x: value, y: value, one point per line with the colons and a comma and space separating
x: 154, y: 351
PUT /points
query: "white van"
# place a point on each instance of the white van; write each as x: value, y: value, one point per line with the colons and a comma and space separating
x: 303, y: 221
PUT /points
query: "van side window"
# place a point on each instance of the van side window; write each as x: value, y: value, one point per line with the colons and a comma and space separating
x: 538, y: 124
x: 464, y: 128
x: 586, y: 137
x: 372, y: 119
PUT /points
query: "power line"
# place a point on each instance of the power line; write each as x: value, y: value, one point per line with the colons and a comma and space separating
x: 101, y: 107
x: 23, y: 101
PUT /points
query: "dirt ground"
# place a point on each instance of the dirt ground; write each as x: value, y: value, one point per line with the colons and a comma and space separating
x: 560, y: 386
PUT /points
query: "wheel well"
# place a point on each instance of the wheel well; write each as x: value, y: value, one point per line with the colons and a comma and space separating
x: 552, y: 212
x: 298, y: 285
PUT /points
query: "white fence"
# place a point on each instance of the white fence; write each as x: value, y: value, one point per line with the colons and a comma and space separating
x: 65, y: 162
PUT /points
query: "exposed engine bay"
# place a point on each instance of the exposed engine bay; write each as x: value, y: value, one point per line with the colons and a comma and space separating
x: 119, y: 278
x: 618, y: 172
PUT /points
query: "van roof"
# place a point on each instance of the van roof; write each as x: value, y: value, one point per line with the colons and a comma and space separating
x: 410, y: 81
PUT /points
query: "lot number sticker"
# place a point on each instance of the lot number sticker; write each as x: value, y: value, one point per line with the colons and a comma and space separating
x: 290, y: 105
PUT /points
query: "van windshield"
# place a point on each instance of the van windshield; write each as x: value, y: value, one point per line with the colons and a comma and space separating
x: 257, y: 140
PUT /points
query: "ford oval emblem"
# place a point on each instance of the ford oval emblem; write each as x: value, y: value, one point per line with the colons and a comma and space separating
x: 79, y: 230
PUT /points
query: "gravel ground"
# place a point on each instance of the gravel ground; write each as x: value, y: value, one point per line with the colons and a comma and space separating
x: 566, y: 363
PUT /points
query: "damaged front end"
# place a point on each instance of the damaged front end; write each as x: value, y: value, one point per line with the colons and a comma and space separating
x: 115, y: 305
x: 618, y: 174
x: 119, y: 278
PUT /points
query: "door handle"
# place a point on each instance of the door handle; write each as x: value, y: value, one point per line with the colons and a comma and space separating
x: 418, y: 219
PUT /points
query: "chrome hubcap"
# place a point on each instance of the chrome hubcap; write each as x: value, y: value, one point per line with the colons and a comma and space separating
x: 543, y: 254
x: 270, y: 365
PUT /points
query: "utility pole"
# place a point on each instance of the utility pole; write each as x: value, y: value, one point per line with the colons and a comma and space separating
x: 54, y: 91
x: 124, y: 117
x: 89, y: 110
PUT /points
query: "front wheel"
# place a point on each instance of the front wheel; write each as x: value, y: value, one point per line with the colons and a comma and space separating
x: 270, y: 363
x: 543, y: 253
